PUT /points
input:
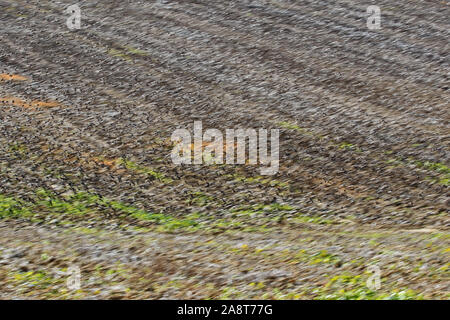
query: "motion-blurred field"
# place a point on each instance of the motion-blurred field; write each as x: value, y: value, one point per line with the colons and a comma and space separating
x: 86, y: 176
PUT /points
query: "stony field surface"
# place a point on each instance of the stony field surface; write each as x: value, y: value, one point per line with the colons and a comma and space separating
x: 87, y: 180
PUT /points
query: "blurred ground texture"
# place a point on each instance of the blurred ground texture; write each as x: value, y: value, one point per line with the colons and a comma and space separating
x: 86, y: 176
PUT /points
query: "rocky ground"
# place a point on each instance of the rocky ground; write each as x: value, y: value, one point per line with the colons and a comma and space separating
x: 87, y: 180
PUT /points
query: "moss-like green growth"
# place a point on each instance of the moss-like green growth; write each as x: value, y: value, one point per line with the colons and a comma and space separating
x: 141, y: 169
x: 199, y: 198
x: 119, y: 54
x: 348, y: 146
x: 435, y: 166
x: 37, y: 279
x: 135, y: 51
x: 17, y: 148
x: 292, y: 126
x: 442, y: 169
x: 302, y: 218
x: 9, y: 207
x: 83, y: 203
x: 353, y: 287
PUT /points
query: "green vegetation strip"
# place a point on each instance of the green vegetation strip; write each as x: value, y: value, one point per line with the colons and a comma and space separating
x: 130, y: 165
x: 440, y: 168
x: 347, y: 286
x: 44, y: 204
x: 82, y: 203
